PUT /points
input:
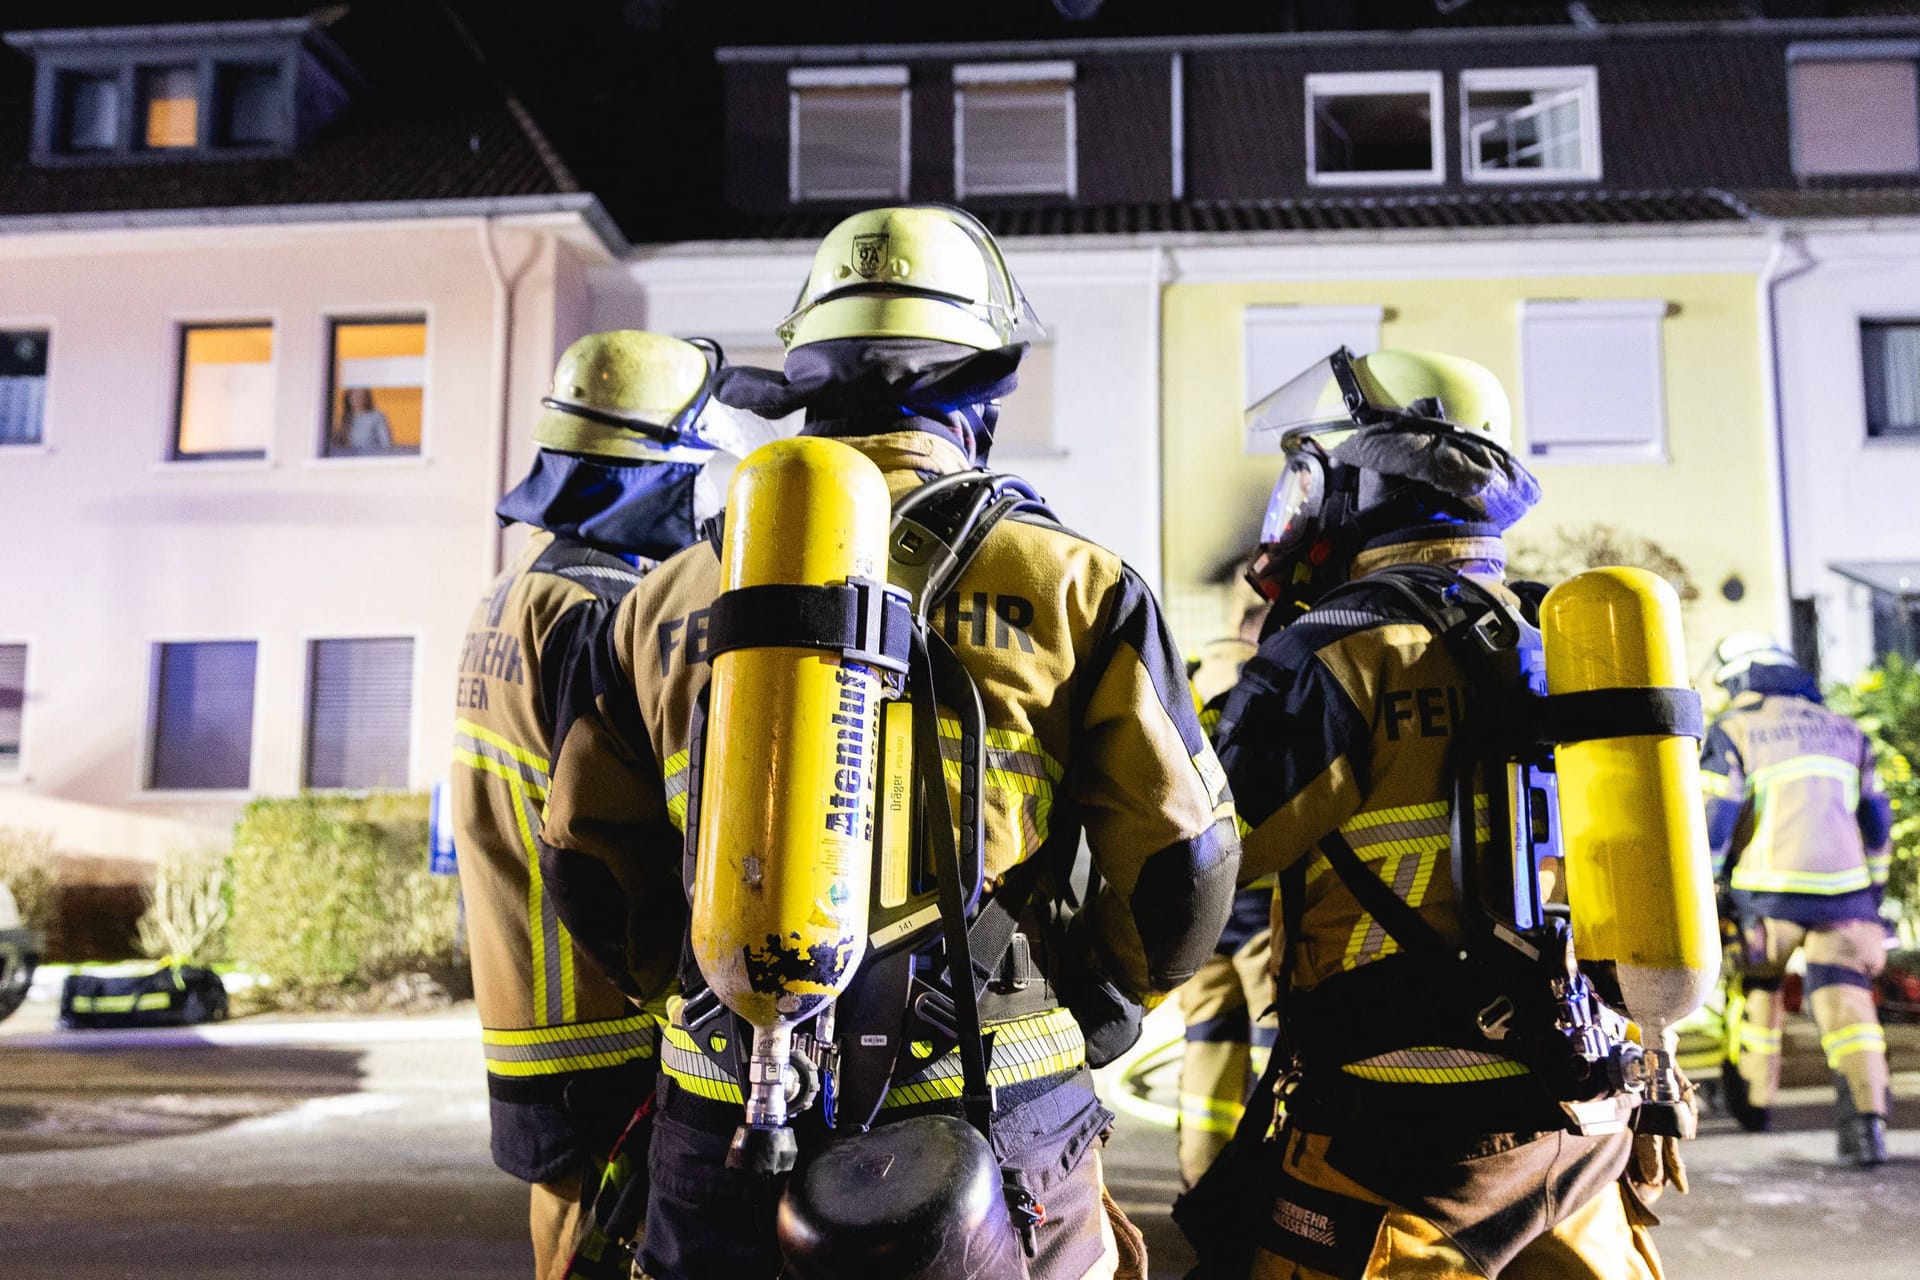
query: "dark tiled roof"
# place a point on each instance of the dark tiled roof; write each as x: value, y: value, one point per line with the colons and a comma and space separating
x: 1833, y: 202
x: 1445, y: 212
x: 428, y: 123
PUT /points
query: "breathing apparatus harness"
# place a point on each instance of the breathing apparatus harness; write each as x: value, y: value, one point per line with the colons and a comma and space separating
x: 854, y: 1051
x: 1513, y: 987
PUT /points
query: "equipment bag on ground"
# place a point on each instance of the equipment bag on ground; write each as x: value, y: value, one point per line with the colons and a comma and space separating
x: 173, y: 996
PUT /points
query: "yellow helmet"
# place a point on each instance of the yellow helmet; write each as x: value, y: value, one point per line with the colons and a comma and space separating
x: 913, y: 271
x: 1345, y: 390
x: 630, y: 394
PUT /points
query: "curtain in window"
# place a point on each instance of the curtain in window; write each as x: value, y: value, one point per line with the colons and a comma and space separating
x: 1891, y: 362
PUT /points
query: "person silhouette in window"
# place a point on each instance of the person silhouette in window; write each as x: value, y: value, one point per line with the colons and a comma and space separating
x: 363, y: 427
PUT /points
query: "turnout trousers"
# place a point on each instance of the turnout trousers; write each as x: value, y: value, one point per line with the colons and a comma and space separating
x: 1842, y: 961
x: 1551, y: 1206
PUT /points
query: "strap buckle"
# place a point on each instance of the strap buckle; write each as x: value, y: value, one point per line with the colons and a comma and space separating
x: 1496, y: 1019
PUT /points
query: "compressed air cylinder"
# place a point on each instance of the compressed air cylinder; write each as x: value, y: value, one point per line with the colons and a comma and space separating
x: 785, y: 835
x: 1639, y: 878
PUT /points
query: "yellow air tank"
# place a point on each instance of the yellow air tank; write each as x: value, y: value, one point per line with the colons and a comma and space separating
x: 784, y: 846
x: 1639, y: 878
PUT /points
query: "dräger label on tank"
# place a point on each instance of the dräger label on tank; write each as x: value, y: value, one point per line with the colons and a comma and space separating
x: 849, y: 808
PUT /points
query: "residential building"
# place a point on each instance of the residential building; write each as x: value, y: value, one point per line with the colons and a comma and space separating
x: 277, y: 301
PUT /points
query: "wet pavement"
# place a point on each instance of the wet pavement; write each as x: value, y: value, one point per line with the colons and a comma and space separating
x: 307, y: 1148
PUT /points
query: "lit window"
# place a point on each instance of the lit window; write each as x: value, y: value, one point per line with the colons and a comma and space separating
x: 379, y: 388
x: 225, y: 396
x: 1890, y: 362
x: 202, y: 732
x: 1013, y: 130
x: 89, y: 111
x: 1592, y: 383
x: 170, y: 101
x: 848, y: 129
x: 1281, y: 343
x: 1536, y: 124
x: 253, y: 106
x: 23, y: 385
x: 13, y: 701
x: 359, y: 713
x: 1369, y: 127
x: 1854, y: 115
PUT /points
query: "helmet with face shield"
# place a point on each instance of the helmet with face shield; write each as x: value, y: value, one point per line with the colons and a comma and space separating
x: 1374, y: 442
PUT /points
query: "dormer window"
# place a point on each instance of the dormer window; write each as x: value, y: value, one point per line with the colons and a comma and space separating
x: 170, y: 107
x: 181, y: 92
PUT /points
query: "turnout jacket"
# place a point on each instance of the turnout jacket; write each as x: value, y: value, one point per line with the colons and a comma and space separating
x: 1089, y: 724
x: 1343, y: 723
x: 1796, y: 815
x: 550, y: 1020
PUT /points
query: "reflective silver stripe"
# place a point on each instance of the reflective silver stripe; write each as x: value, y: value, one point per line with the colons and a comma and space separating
x: 692, y: 1070
x: 581, y: 1046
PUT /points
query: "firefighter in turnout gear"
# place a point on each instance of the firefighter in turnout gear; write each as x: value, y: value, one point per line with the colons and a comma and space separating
x: 906, y: 334
x: 613, y: 489
x: 1403, y: 1150
x: 1229, y: 1031
x: 1801, y: 836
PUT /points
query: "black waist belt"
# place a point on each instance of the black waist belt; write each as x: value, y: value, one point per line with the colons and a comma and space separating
x: 1388, y: 1004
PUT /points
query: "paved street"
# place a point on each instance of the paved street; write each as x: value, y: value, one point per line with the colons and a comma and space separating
x: 307, y: 1148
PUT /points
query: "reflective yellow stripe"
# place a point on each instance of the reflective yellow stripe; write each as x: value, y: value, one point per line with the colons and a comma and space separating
x: 1029, y: 1048
x: 1434, y: 1065
x: 1021, y: 770
x: 1858, y: 1037
x: 145, y: 1001
x: 1210, y: 1115
x: 531, y: 759
x: 1765, y: 879
x: 1407, y: 841
x: 1241, y: 825
x: 1847, y: 775
x: 578, y: 1046
x: 1717, y: 785
x: 1759, y: 1040
x: 1210, y: 719
x: 674, y: 776
x: 551, y: 961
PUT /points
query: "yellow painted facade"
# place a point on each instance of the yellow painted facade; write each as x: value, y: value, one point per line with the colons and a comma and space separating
x: 1713, y: 504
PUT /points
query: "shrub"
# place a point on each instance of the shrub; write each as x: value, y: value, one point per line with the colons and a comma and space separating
x: 29, y: 867
x: 1886, y: 701
x: 187, y: 908
x: 332, y: 892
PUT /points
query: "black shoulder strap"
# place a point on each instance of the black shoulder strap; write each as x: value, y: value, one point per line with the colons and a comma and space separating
x: 1257, y: 1118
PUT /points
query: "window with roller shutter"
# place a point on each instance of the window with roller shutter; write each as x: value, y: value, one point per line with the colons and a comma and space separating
x: 201, y: 736
x: 359, y: 713
x: 13, y: 698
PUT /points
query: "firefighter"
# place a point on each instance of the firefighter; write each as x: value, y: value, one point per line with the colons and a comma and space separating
x: 1801, y: 835
x: 1402, y: 1151
x: 1229, y: 1030
x: 614, y: 488
x: 904, y: 338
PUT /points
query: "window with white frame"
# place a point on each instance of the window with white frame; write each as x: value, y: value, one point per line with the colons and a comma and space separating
x: 23, y: 385
x: 201, y: 735
x: 1279, y: 343
x: 847, y: 133
x: 1013, y: 129
x: 359, y: 713
x: 13, y: 702
x: 1890, y: 367
x: 1592, y: 383
x: 1854, y: 113
x: 1373, y: 128
x: 223, y: 404
x: 1531, y: 124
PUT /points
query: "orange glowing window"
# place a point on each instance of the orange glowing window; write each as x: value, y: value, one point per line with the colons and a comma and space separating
x: 170, y: 97
x: 226, y: 392
x: 379, y: 388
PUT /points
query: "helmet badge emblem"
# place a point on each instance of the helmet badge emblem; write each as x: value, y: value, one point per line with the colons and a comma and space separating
x: 870, y: 254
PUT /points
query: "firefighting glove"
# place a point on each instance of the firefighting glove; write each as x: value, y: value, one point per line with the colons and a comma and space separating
x: 1656, y: 1165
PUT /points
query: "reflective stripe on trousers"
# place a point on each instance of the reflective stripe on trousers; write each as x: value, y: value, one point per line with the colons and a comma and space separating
x: 577, y: 1046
